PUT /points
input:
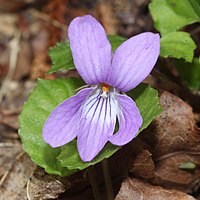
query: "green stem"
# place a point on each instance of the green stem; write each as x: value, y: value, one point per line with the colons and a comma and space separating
x: 93, y: 183
x: 107, y: 179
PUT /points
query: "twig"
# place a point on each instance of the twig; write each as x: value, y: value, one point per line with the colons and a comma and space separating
x: 6, y: 144
x: 176, y: 153
x: 27, y: 190
x: 4, y: 177
x: 20, y: 155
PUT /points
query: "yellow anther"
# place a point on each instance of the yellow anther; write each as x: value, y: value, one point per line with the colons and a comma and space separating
x: 105, y: 87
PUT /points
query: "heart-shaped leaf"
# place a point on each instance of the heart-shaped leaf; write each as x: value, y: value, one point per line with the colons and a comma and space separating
x: 45, y: 97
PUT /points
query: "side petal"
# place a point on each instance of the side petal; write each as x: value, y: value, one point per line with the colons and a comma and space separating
x: 96, y: 124
x: 91, y: 49
x: 133, y: 61
x: 60, y: 126
x: 129, y: 119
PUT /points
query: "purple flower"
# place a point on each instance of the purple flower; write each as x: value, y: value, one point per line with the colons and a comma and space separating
x: 91, y: 114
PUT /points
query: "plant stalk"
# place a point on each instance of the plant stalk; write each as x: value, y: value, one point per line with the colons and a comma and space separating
x: 107, y: 179
x: 93, y: 183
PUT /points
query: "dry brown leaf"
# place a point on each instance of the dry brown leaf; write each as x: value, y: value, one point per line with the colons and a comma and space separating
x: 44, y: 186
x: 169, y: 174
x: 15, y: 179
x: 8, y: 152
x: 136, y: 189
x: 175, y: 128
x: 143, y: 165
x: 174, y: 139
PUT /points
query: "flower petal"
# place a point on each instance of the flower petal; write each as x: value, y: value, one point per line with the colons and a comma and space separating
x: 96, y: 124
x: 129, y: 119
x: 133, y: 61
x: 60, y: 127
x: 91, y: 49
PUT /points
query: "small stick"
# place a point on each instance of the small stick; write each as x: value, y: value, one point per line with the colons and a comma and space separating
x: 4, y: 177
x: 27, y: 190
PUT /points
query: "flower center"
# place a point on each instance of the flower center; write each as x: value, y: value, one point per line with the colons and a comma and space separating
x: 105, y: 89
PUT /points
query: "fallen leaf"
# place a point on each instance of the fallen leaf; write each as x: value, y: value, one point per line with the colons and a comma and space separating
x: 174, y: 139
x: 169, y: 174
x: 143, y: 165
x: 15, y: 179
x: 45, y: 186
x: 136, y: 189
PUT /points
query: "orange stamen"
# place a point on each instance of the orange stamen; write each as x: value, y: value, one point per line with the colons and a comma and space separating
x: 105, y: 87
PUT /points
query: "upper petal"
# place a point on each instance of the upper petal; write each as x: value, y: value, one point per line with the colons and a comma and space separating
x: 133, y: 61
x: 60, y: 127
x: 96, y: 124
x: 91, y: 49
x: 129, y: 119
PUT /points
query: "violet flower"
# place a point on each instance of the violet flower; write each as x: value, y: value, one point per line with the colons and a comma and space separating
x: 91, y: 114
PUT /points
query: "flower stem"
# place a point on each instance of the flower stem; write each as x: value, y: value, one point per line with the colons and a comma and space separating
x: 93, y: 183
x: 107, y: 179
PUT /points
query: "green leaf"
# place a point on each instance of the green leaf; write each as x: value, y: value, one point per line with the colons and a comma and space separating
x: 115, y: 41
x: 146, y: 99
x: 189, y: 72
x: 177, y: 45
x: 148, y: 104
x: 45, y: 97
x: 188, y: 166
x: 61, y: 57
x: 69, y: 156
x: 172, y: 15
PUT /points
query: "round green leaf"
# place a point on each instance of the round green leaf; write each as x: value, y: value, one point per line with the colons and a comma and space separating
x: 177, y: 45
x: 45, y: 97
x: 172, y: 15
x: 148, y: 103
